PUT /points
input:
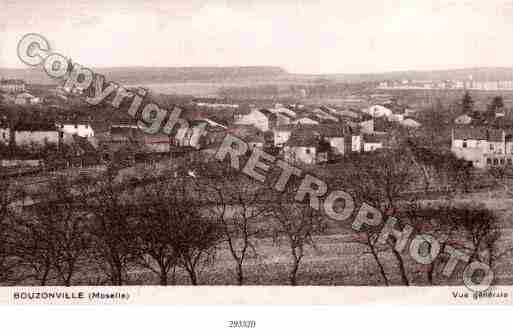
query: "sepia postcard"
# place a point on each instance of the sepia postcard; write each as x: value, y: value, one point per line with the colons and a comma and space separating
x: 290, y: 152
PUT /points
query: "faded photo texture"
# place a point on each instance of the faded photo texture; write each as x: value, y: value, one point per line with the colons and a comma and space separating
x: 280, y: 143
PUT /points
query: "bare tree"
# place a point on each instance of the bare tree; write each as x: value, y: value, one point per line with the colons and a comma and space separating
x: 198, y: 239
x: 296, y: 224
x: 479, y: 228
x: 381, y: 182
x: 52, y: 238
x: 9, y: 195
x: 237, y: 204
x: 171, y: 230
x: 110, y: 227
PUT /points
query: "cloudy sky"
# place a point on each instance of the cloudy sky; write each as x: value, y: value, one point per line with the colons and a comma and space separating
x: 308, y: 36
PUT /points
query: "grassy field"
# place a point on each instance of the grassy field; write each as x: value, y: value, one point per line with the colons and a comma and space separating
x: 337, y: 260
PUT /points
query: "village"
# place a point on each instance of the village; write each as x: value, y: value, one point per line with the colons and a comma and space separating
x: 300, y: 134
x: 379, y: 147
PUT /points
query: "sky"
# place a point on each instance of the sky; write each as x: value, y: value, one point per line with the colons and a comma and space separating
x: 308, y: 36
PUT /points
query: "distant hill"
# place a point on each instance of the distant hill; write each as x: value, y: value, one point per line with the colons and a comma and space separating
x: 155, y: 75
x: 269, y: 74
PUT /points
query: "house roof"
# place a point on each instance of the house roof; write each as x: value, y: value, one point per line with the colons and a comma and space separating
x: 285, y: 128
x: 11, y: 82
x: 35, y: 126
x: 25, y: 95
x: 303, y: 138
x: 372, y: 138
x: 478, y: 133
x: 495, y: 135
x: 127, y: 130
x: 84, y: 144
x: 332, y: 130
x: 244, y: 131
x: 284, y: 111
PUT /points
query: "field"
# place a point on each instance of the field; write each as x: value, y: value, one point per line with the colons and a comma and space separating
x: 336, y: 260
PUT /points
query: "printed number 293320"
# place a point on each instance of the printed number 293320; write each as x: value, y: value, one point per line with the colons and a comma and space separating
x: 242, y: 324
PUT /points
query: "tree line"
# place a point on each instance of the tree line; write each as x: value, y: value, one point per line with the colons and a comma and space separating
x: 95, y: 230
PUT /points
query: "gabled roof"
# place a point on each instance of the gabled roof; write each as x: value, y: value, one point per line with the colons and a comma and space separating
x: 495, y: 135
x: 84, y: 144
x: 25, y: 95
x: 126, y: 130
x: 11, y: 82
x: 373, y: 138
x: 284, y: 111
x: 471, y: 133
x: 285, y: 128
x: 302, y: 137
x: 34, y: 126
x: 332, y: 130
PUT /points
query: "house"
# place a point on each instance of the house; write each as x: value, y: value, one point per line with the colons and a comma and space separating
x: 255, y: 118
x: 156, y: 143
x: 303, y: 147
x: 463, y: 120
x: 256, y: 141
x: 124, y: 134
x: 36, y: 134
x: 305, y: 121
x: 5, y: 133
x: 75, y: 128
x: 278, y: 109
x: 367, y: 125
x: 82, y: 153
x: 324, y: 115
x: 26, y: 98
x: 349, y: 114
x: 408, y: 122
x: 191, y: 136
x: 12, y: 85
x: 483, y: 146
x: 281, y: 134
x: 377, y: 111
x: 337, y: 136
x: 372, y: 142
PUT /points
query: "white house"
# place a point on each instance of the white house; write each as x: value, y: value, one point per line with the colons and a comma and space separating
x: 255, y: 118
x: 281, y: 134
x: 372, y: 142
x: 408, y: 122
x: 324, y: 115
x: 483, y: 146
x: 305, y: 121
x: 36, y: 133
x: 26, y: 98
x: 356, y: 143
x: 284, y: 111
x: 82, y: 130
x: 302, y: 147
x: 463, y: 120
x: 338, y: 137
x: 378, y: 111
x: 12, y: 85
x: 4, y: 134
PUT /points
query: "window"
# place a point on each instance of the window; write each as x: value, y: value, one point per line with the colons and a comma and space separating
x: 502, y: 161
x: 510, y: 161
x: 307, y: 150
x: 495, y: 161
x: 488, y: 161
x: 464, y: 143
x: 491, y: 146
